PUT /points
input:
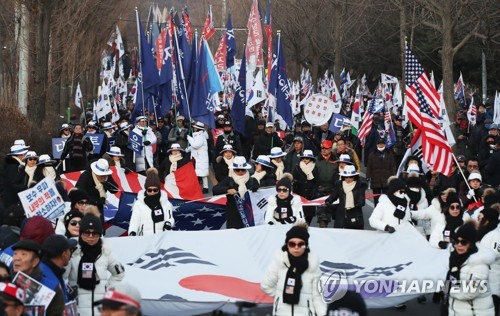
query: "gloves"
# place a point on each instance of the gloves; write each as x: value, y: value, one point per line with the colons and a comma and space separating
x: 471, y: 194
x: 132, y: 234
x: 144, y: 131
x: 443, y: 244
x: 291, y: 219
x: 167, y: 226
x: 101, y: 201
x: 389, y: 229
x: 147, y: 143
x: 270, y: 223
x: 254, y: 187
x: 110, y: 187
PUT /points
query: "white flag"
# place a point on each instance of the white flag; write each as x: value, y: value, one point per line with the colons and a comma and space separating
x: 496, y: 108
x: 119, y: 43
x: 78, y: 97
x: 258, y: 92
x: 389, y: 79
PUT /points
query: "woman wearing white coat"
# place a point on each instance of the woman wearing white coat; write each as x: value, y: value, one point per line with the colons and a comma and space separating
x: 469, y: 293
x: 93, y: 267
x: 152, y: 211
x: 199, y: 151
x: 417, y: 200
x: 392, y: 209
x: 292, y: 278
x: 284, y: 207
x: 144, y: 160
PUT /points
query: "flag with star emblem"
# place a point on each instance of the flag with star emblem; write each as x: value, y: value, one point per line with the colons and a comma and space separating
x: 198, y: 215
x: 423, y: 111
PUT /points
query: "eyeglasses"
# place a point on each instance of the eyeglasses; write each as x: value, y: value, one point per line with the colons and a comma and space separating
x: 74, y: 223
x: 282, y: 190
x: 88, y: 233
x: 461, y: 242
x: 299, y: 244
x: 455, y: 207
x: 155, y: 190
x: 82, y: 202
x: 239, y: 170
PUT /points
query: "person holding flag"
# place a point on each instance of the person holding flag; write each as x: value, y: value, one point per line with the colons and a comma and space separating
x: 144, y: 160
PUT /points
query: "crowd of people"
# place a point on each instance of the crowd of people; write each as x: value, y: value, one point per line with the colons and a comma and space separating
x: 458, y: 213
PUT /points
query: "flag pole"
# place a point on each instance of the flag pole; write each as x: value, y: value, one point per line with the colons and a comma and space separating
x: 463, y: 175
x: 183, y: 78
x: 140, y: 60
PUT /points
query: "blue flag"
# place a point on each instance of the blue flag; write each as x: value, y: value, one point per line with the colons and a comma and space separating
x: 244, y: 207
x: 198, y: 215
x: 150, y: 78
x: 336, y: 123
x: 230, y: 43
x: 202, y: 108
x: 240, y: 100
x: 278, y: 84
x: 166, y: 76
x: 390, y: 136
x: 181, y: 83
x: 124, y: 213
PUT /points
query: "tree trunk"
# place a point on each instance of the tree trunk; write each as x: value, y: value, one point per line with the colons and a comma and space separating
x: 447, y: 63
x: 337, y: 42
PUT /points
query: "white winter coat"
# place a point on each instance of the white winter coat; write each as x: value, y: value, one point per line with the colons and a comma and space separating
x: 147, y: 151
x: 296, y: 205
x: 491, y: 242
x: 431, y: 218
x: 199, y: 151
x: 423, y: 225
x: 109, y: 271
x: 310, y: 301
x: 383, y: 214
x: 141, y: 221
x: 473, y: 302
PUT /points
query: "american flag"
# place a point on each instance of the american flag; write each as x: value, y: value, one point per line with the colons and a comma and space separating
x: 366, y: 126
x: 472, y: 112
x: 423, y: 111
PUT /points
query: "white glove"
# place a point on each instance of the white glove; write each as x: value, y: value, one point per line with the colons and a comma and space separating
x: 471, y: 194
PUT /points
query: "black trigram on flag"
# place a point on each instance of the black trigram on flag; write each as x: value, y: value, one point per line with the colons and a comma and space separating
x: 165, y: 258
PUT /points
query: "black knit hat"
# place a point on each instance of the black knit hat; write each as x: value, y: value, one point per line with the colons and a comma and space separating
x: 467, y: 232
x: 396, y: 184
x: 413, y: 182
x: 284, y: 182
x: 351, y: 303
x: 77, y: 195
x: 491, y: 215
x: 70, y: 215
x: 152, y: 178
x: 90, y: 221
x: 55, y: 245
x: 452, y: 197
x: 298, y: 231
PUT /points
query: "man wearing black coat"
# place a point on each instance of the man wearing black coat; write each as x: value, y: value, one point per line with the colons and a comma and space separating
x: 228, y: 138
x: 266, y: 141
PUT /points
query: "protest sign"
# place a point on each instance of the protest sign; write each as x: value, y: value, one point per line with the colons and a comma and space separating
x: 57, y: 147
x: 42, y: 199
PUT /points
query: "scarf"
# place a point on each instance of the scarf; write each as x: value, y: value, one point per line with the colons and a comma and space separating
x: 283, y: 211
x: 117, y: 163
x: 87, y: 273
x: 280, y: 167
x: 293, y: 280
x: 259, y: 175
x: 77, y: 145
x: 21, y: 163
x: 173, y: 159
x: 307, y: 169
x: 414, y: 199
x: 349, y: 197
x: 457, y: 261
x: 241, y: 182
x: 153, y: 202
x: 30, y: 171
x: 50, y: 172
x: 99, y: 187
x: 229, y: 163
x: 400, y: 204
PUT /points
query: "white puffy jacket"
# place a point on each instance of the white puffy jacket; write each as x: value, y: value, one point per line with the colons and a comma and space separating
x: 147, y: 151
x: 199, y: 151
x: 434, y: 220
x: 310, y: 301
x: 141, y: 221
x: 296, y: 205
x: 383, y: 214
x: 491, y: 242
x: 109, y: 271
x: 475, y: 301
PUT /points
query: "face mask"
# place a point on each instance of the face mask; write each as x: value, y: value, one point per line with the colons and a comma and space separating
x: 399, y: 195
x: 415, y: 189
x: 227, y: 132
x: 381, y: 148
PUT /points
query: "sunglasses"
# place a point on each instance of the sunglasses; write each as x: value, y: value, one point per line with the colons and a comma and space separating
x: 400, y: 191
x: 460, y: 242
x: 453, y: 207
x: 299, y: 244
x: 74, y: 223
x: 282, y: 190
x: 239, y: 170
x: 32, y: 159
x: 153, y: 190
x: 349, y: 177
x: 82, y: 202
x: 88, y: 233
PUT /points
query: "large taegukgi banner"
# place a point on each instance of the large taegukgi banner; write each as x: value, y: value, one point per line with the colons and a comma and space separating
x: 188, y: 272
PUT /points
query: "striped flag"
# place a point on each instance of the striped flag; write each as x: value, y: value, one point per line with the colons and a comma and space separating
x: 209, y: 27
x: 423, y: 110
x: 366, y: 126
x: 472, y: 112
